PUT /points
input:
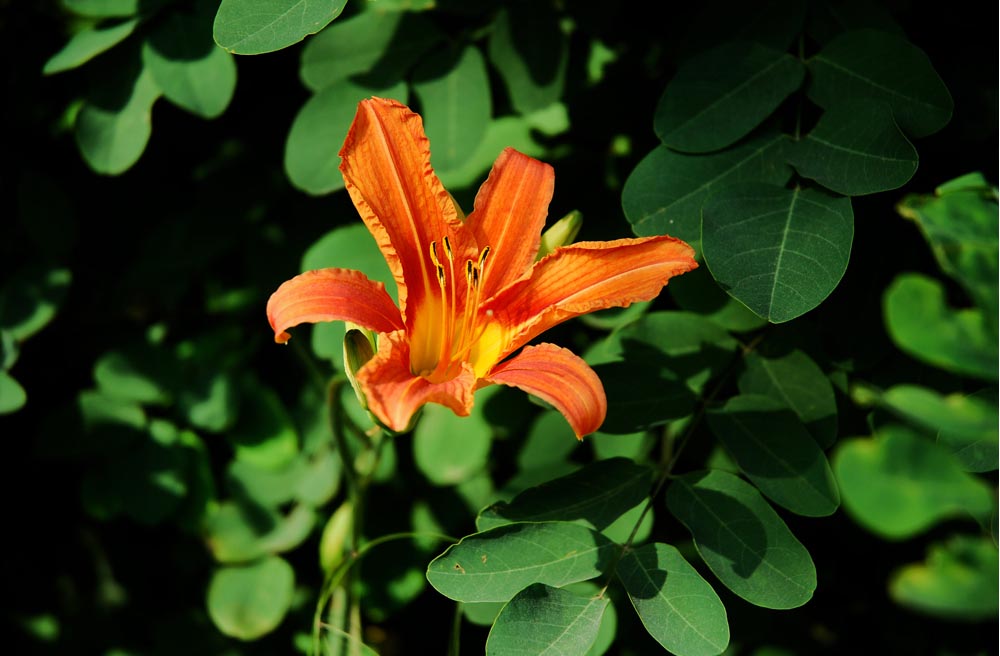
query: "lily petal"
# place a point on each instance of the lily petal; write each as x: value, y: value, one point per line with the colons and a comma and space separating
x: 331, y: 295
x: 561, y: 378
x: 509, y: 215
x: 394, y: 394
x: 582, y: 278
x: 387, y: 171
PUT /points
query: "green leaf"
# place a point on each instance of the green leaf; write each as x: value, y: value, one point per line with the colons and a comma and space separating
x: 641, y: 396
x: 30, y: 298
x: 114, y: 124
x: 856, y: 149
x: 665, y: 192
x: 138, y: 374
x: 550, y: 440
x: 778, y: 251
x: 877, y: 65
x: 961, y: 417
x: 242, y: 532
x: 530, y: 50
x: 598, y: 494
x: 742, y: 540
x: 772, y: 447
x: 87, y: 44
x: 251, y: 601
x: 497, y: 564
x: 252, y: 27
x: 676, y: 605
x: 798, y: 383
x: 210, y: 401
x: 719, y: 96
x: 982, y: 452
x: 103, y: 8
x: 542, y: 619
x: 449, y: 449
x: 312, y: 151
x: 264, y: 436
x: 898, y: 484
x: 697, y: 292
x: 373, y: 48
x: 192, y: 71
x: 957, y: 582
x: 12, y: 395
x: 454, y: 93
x: 960, y: 224
x: 922, y: 325
x: 513, y: 131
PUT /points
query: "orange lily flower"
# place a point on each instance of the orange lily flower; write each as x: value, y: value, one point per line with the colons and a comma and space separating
x: 470, y: 290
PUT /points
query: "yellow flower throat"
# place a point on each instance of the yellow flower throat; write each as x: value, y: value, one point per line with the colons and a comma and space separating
x: 448, y: 328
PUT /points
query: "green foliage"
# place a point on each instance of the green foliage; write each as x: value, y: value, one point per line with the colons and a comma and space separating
x: 811, y: 411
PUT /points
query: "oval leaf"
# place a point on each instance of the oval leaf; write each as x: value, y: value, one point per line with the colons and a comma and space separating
x: 856, y: 149
x: 192, y: 71
x: 87, y: 44
x: 530, y: 50
x: 719, y: 96
x: 742, y: 540
x: 878, y: 65
x: 497, y: 564
x: 437, y: 455
x: 598, y: 494
x: 312, y: 151
x: 454, y: 92
x: 541, y: 619
x: 665, y: 192
x: 898, y: 484
x: 252, y: 27
x: 797, y: 382
x: 12, y: 395
x: 676, y: 605
x: 249, y: 602
x: 921, y: 324
x: 772, y: 447
x: 778, y: 251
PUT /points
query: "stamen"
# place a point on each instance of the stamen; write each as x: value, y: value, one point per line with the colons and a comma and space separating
x: 434, y: 257
x: 483, y: 256
x: 447, y: 248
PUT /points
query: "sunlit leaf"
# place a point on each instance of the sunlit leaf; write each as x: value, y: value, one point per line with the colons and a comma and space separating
x: 512, y: 131
x: 960, y: 223
x: 242, y: 532
x: 88, y: 43
x: 30, y: 298
x: 114, y: 125
x: 454, y: 92
x: 373, y: 48
x: 898, y: 484
x: 312, y: 151
x: 873, y: 64
x: 742, y: 540
x: 442, y: 459
x: 794, y: 380
x: 191, y: 70
x: 252, y: 27
x: 958, y: 581
x: 497, y: 564
x: 665, y: 192
x: 719, y: 96
x: 103, y: 8
x: 676, y: 605
x: 597, y: 494
x: 12, y: 395
x: 140, y: 373
x: 856, y: 149
x: 250, y: 601
x: 771, y: 445
x: 529, y: 49
x: 264, y: 436
x: 541, y: 619
x: 780, y: 252
x: 921, y: 324
x: 961, y: 417
x: 980, y: 453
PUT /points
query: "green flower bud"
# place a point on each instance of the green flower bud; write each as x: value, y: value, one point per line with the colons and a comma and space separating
x: 561, y: 232
x: 359, y: 348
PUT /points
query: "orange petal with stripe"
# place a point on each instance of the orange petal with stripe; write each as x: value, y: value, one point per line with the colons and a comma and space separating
x: 394, y: 394
x: 509, y: 215
x: 561, y: 378
x: 331, y: 295
x: 586, y: 277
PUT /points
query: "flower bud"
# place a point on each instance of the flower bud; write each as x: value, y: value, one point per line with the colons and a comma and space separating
x: 333, y: 542
x: 359, y: 348
x: 561, y: 232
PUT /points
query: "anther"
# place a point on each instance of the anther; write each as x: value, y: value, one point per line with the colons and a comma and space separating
x: 468, y: 271
x: 440, y: 274
x: 482, y: 256
x: 447, y: 248
x: 434, y: 257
